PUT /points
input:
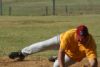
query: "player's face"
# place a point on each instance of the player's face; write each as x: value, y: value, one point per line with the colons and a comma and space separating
x: 82, y: 39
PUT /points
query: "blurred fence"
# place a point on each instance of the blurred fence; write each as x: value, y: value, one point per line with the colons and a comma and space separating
x: 47, y: 10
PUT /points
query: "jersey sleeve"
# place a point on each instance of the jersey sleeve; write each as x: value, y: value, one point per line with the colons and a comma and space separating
x: 91, y: 50
x: 64, y: 41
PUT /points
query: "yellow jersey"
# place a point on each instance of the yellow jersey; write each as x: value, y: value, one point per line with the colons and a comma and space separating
x: 74, y: 49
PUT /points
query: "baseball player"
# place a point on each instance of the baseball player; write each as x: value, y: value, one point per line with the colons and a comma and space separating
x: 73, y: 45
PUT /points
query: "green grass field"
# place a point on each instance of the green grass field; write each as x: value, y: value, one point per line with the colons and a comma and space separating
x: 17, y: 32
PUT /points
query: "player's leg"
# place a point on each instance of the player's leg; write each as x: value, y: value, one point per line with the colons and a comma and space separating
x: 52, y: 43
x: 68, y: 62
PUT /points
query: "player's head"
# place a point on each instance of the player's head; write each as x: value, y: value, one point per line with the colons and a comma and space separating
x: 82, y: 33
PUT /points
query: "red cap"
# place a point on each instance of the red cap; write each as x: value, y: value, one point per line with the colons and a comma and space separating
x: 82, y: 30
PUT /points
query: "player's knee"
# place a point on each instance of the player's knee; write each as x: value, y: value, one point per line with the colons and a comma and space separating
x: 56, y: 64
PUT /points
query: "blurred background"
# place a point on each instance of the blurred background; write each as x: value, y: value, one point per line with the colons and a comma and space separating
x: 48, y: 7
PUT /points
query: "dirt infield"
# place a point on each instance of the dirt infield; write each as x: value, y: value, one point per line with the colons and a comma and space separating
x: 33, y: 62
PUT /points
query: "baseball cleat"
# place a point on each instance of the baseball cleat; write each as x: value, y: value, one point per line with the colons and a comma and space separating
x: 52, y: 58
x: 16, y: 55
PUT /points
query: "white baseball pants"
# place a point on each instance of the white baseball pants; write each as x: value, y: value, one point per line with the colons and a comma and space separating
x: 68, y: 62
x: 50, y: 44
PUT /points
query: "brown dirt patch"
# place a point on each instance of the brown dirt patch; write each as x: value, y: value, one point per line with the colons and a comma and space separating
x: 33, y: 62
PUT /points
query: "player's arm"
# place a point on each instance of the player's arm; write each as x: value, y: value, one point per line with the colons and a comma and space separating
x: 61, y: 55
x: 63, y: 46
x: 92, y: 53
x: 93, y: 62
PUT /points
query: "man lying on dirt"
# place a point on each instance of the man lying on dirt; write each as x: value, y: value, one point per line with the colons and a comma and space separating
x: 73, y: 46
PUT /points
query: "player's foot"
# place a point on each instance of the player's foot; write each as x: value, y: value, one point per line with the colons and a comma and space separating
x: 16, y: 55
x: 52, y: 58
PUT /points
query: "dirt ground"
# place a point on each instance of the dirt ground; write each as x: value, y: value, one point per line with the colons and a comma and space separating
x: 33, y: 62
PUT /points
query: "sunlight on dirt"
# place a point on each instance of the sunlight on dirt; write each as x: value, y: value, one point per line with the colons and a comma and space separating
x: 33, y: 62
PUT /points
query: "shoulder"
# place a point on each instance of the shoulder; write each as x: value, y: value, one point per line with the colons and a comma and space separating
x: 91, y: 37
x: 91, y: 42
x: 71, y: 31
x: 68, y: 33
